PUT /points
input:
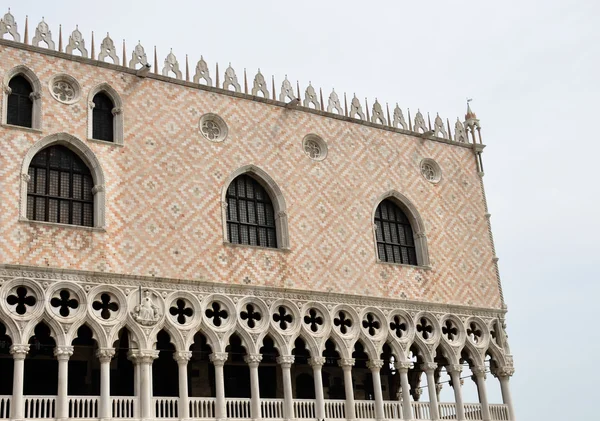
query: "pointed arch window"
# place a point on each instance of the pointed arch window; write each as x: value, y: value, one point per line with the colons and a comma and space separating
x: 395, y: 240
x: 103, y: 118
x: 20, y: 104
x: 250, y: 214
x: 60, y: 188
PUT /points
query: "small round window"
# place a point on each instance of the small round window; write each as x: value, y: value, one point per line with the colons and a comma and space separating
x: 64, y: 88
x: 431, y: 171
x: 213, y: 127
x: 314, y: 147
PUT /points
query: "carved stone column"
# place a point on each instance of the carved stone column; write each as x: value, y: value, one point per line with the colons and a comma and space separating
x: 347, y: 364
x: 145, y: 358
x: 19, y: 352
x: 218, y: 359
x: 317, y: 364
x: 136, y: 383
x: 182, y: 358
x: 62, y: 354
x: 479, y: 377
x: 253, y: 361
x: 403, y: 368
x: 454, y: 370
x: 504, y: 374
x: 429, y: 369
x: 375, y: 367
x: 105, y: 355
x: 286, y: 361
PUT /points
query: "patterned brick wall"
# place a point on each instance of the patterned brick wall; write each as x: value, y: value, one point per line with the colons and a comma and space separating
x: 163, y: 192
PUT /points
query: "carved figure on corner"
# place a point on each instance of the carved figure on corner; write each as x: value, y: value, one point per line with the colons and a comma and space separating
x: 146, y: 312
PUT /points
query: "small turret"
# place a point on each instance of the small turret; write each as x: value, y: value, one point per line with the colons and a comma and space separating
x: 472, y: 123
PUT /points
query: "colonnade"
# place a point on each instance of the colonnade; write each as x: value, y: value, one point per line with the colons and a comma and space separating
x: 143, y: 360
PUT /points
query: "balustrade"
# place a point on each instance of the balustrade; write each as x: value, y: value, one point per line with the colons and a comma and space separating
x: 421, y: 410
x: 473, y: 411
x: 202, y: 408
x: 364, y: 409
x: 335, y: 408
x: 123, y: 407
x: 237, y: 407
x: 166, y: 407
x: 447, y: 411
x: 40, y: 407
x: 392, y: 410
x: 499, y: 412
x: 304, y: 408
x: 5, y: 407
x: 83, y: 406
x: 272, y: 408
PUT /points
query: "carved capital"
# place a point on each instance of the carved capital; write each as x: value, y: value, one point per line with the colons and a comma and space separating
x: 182, y: 357
x: 478, y: 371
x: 282, y: 214
x: 218, y: 358
x: 19, y: 352
x: 35, y: 95
x: 117, y: 110
x: 316, y: 362
x: 97, y: 189
x: 143, y: 356
x: 429, y: 367
x: 506, y: 371
x: 105, y: 354
x: 91, y: 105
x: 63, y: 353
x: 454, y: 368
x: 374, y: 365
x: 7, y: 90
x: 286, y: 361
x: 26, y: 177
x: 224, y: 204
x: 346, y: 362
x: 253, y: 360
x: 403, y: 366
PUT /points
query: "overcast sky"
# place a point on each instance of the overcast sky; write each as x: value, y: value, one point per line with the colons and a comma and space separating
x: 532, y: 69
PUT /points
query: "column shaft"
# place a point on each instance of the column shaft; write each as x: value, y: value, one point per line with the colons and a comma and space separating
x: 62, y: 354
x: 406, y: 406
x: 454, y: 372
x: 19, y: 352
x: 218, y: 359
x: 286, y: 362
x: 253, y: 360
x: 317, y: 365
x: 431, y: 388
x: 105, y: 355
x: 375, y: 367
x: 182, y: 359
x: 479, y: 374
x: 506, y: 397
x: 346, y: 364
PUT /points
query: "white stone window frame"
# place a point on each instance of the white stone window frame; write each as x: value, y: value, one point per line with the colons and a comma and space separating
x: 88, y: 157
x: 416, y: 223
x: 277, y: 199
x: 36, y: 96
x: 70, y: 80
x: 117, y: 111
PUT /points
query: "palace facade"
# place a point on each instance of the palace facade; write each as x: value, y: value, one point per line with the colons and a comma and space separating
x: 180, y: 244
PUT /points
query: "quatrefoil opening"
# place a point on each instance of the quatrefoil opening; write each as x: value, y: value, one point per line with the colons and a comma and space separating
x: 313, y: 320
x: 450, y: 330
x: 216, y: 314
x: 64, y: 303
x: 475, y: 333
x: 181, y: 311
x: 22, y: 300
x: 398, y: 326
x: 106, y: 306
x: 251, y: 316
x: 343, y: 322
x: 425, y: 328
x: 283, y: 317
x: 371, y: 324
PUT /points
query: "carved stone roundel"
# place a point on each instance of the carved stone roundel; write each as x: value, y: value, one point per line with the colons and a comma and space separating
x: 64, y: 88
x: 213, y: 127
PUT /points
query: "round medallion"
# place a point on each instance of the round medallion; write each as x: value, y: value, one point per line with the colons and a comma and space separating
x: 431, y: 171
x: 213, y: 127
x: 314, y: 147
x: 64, y: 88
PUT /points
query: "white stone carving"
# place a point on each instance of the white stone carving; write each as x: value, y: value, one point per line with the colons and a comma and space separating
x: 334, y: 103
x: 64, y: 88
x: 171, y: 65
x: 459, y: 132
x: 9, y: 26
x: 76, y: 42
x: 419, y: 123
x: 356, y: 109
x: 377, y: 114
x: 438, y: 128
x: 107, y: 49
x: 399, y: 120
x: 314, y: 147
x: 43, y: 33
x: 231, y: 79
x: 147, y: 313
x: 260, y: 85
x: 138, y: 56
x: 310, y: 97
x: 431, y: 171
x: 202, y: 72
x: 287, y: 91
x: 213, y: 127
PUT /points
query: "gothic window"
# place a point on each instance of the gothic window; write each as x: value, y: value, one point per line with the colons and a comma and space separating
x: 20, y: 104
x: 103, y: 119
x: 250, y: 215
x: 395, y: 242
x: 60, y: 188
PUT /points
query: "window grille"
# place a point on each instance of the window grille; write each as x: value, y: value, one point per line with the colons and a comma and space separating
x: 60, y: 188
x: 395, y: 242
x: 103, y: 119
x: 20, y: 105
x: 250, y: 215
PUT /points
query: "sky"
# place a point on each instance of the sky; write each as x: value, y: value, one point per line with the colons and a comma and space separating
x: 532, y: 70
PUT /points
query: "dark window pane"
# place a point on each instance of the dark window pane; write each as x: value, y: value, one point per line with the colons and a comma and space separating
x: 53, y: 210
x: 394, y: 236
x: 103, y: 119
x: 19, y: 105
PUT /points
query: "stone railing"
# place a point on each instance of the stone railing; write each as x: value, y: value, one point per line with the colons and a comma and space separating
x: 421, y: 410
x: 83, y: 406
x: 237, y: 408
x: 272, y: 408
x: 123, y: 406
x: 335, y: 408
x: 5, y: 407
x: 202, y: 408
x: 304, y: 408
x: 364, y: 409
x: 40, y: 406
x: 392, y: 410
x: 498, y: 412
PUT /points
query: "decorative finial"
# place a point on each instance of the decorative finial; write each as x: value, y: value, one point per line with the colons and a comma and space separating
x: 246, y: 81
x: 60, y: 46
x: 345, y: 105
x: 155, y: 61
x: 124, y: 54
x: 26, y: 35
x: 321, y: 96
x: 217, y: 80
x: 93, y: 47
x: 273, y: 86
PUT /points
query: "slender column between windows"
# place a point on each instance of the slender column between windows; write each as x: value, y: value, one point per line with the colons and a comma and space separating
x: 19, y: 352
x: 375, y: 367
x: 136, y: 383
x: 253, y: 360
x: 105, y: 355
x: 429, y: 369
x: 218, y: 359
x: 144, y: 359
x: 479, y: 376
x: 402, y: 368
x: 317, y: 364
x: 454, y: 370
x: 286, y: 362
x: 347, y: 364
x: 182, y: 358
x: 504, y: 375
x: 62, y: 354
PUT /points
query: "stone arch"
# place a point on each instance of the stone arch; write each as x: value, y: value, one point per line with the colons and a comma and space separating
x: 448, y: 352
x: 212, y: 340
x: 416, y: 223
x: 474, y: 354
x: 175, y: 337
x: 36, y: 95
x: 312, y: 346
x: 56, y: 331
x: 136, y: 336
x: 274, y: 192
x: 245, y: 338
x: 397, y: 350
x: 496, y: 356
x: 117, y: 112
x: 98, y: 333
x: 422, y: 348
x: 340, y: 347
x: 368, y: 346
x: 279, y: 342
x: 88, y: 157
x: 12, y: 331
